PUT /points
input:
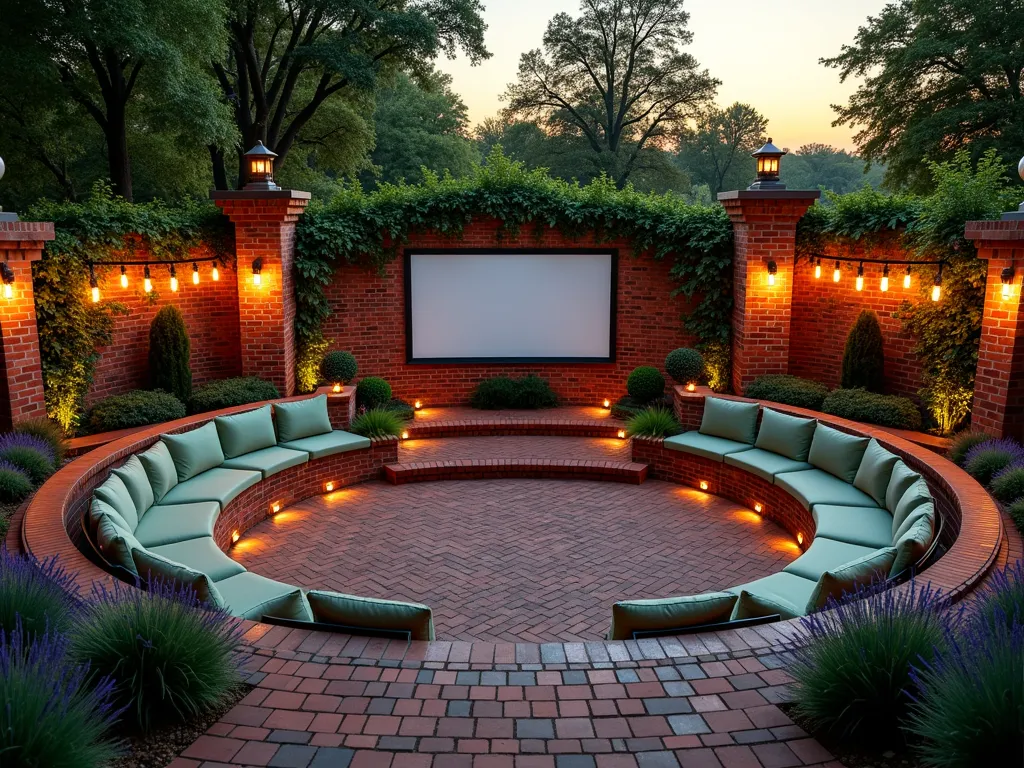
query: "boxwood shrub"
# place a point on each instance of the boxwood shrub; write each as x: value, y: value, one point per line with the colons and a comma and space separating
x: 872, y: 408
x: 791, y: 390
x: 500, y: 392
x: 338, y: 367
x: 645, y: 383
x: 373, y: 392
x: 133, y: 409
x: 685, y: 365
x: 226, y: 393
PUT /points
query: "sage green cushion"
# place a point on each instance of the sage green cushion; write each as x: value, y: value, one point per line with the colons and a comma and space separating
x: 825, y: 555
x: 916, y: 495
x: 765, y: 464
x: 866, y: 526
x: 786, y: 435
x: 159, y: 469
x: 135, y: 479
x: 923, y: 510
x: 246, y: 432
x: 114, y: 492
x: 781, y: 593
x: 846, y: 578
x: 731, y: 419
x: 912, y: 545
x: 815, y: 486
x: 301, y: 418
x: 901, y: 479
x: 353, y: 611
x: 251, y: 596
x: 217, y: 484
x: 195, y: 452
x: 153, y: 567
x: 170, y: 523
x: 836, y: 452
x: 629, y: 616
x: 99, y: 508
x: 328, y: 443
x: 875, y: 471
x: 202, y: 555
x: 268, y: 461
x: 708, y: 446
x: 116, y: 544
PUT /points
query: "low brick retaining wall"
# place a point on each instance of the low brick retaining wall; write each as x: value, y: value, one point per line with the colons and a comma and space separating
x: 490, y: 469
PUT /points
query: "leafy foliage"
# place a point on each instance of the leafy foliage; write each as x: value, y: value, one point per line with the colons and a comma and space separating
x: 872, y: 408
x: 49, y: 432
x: 134, y: 409
x: 645, y: 383
x: 372, y: 392
x: 820, y: 166
x: 377, y: 422
x: 534, y: 392
x: 963, y: 442
x: 37, y: 596
x: 716, y: 149
x: 500, y: 392
x: 338, y: 367
x: 685, y: 365
x: 864, y: 356
x: 225, y: 393
x: 1008, y: 485
x: 653, y: 422
x: 791, y: 390
x: 307, y: 362
x: 169, y: 349
x: 14, y: 484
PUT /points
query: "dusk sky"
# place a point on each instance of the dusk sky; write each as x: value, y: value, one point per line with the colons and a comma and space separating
x: 765, y: 54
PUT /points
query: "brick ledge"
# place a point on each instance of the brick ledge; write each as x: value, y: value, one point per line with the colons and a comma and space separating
x: 487, y: 469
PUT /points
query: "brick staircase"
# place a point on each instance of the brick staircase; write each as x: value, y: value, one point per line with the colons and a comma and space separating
x: 490, y: 469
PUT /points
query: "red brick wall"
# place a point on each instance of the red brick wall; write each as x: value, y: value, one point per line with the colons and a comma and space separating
x: 210, y: 310
x: 368, y: 319
x: 825, y: 311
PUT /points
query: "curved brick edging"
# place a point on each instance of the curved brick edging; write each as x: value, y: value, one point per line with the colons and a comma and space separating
x: 489, y: 469
x: 538, y: 426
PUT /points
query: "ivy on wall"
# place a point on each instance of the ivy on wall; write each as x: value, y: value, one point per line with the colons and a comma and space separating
x: 102, y: 228
x: 370, y: 228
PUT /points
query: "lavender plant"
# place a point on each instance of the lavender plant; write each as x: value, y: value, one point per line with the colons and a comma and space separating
x: 1008, y: 484
x: 1002, y: 598
x: 14, y: 484
x: 33, y: 455
x: 986, y: 459
x: 38, y: 596
x: 962, y: 442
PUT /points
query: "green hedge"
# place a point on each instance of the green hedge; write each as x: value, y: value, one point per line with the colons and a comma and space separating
x: 791, y: 390
x: 134, y: 409
x: 872, y: 408
x: 226, y: 393
x: 529, y: 392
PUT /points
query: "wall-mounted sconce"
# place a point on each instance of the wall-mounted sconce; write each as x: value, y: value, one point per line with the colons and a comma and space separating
x: 7, y: 275
x: 773, y: 270
x: 257, y: 269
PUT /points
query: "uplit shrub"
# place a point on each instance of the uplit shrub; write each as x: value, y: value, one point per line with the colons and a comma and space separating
x: 31, y: 454
x: 852, y: 668
x: 39, y: 594
x: 1001, y: 600
x: 653, y: 422
x: 52, y: 713
x: 1008, y: 484
x: 226, y: 393
x: 377, y: 422
x: 14, y: 484
x: 169, y: 352
x: 534, y: 392
x: 134, y: 409
x: 947, y: 402
x: 872, y: 408
x: 685, y: 365
x: 645, y: 384
x: 503, y: 392
x: 307, y: 362
x: 970, y: 707
x: 373, y: 392
x: 987, y: 459
x: 963, y: 442
x: 864, y: 355
x: 338, y: 367
x: 48, y: 431
x: 718, y: 365
x: 791, y: 390
x: 172, y: 656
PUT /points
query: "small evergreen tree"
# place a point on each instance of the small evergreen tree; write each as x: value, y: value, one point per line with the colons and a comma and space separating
x: 169, y: 349
x: 864, y: 358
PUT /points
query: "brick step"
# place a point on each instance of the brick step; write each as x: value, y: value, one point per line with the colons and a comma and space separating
x: 489, y: 469
x: 517, y: 426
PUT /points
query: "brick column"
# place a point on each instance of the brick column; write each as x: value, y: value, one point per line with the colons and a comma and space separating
x: 999, y: 385
x: 21, y: 385
x: 265, y: 229
x: 764, y: 226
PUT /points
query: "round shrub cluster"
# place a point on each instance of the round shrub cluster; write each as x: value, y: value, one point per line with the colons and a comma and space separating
x: 1008, y: 484
x: 373, y: 392
x: 225, y: 393
x: 14, y: 484
x: 338, y: 367
x: 985, y: 460
x: 645, y: 384
x: 685, y: 365
x: 494, y: 393
x: 963, y: 442
x: 134, y: 409
x: 872, y: 408
x: 791, y: 390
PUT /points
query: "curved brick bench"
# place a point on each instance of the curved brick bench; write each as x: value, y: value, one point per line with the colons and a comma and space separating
x: 539, y: 426
x: 489, y: 469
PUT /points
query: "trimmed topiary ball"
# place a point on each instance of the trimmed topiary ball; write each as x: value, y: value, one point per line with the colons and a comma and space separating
x: 985, y: 460
x: 338, y: 367
x: 14, y: 484
x: 685, y: 365
x: 373, y: 392
x: 169, y: 351
x: 645, y: 384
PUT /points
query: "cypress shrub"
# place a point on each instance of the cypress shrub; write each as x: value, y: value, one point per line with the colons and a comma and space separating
x: 864, y: 359
x: 169, y: 349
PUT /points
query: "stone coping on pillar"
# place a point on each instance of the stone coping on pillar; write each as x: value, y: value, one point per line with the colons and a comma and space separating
x: 1007, y: 229
x: 770, y: 194
x: 29, y: 231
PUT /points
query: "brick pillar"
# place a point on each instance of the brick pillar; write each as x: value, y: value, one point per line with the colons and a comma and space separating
x: 764, y: 227
x: 265, y: 229
x: 21, y: 385
x: 999, y: 385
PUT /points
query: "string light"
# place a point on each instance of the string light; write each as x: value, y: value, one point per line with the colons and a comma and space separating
x: 124, y: 277
x: 195, y: 273
x: 906, y: 279
x: 885, y: 278
x: 937, y: 286
x: 1007, y: 277
x: 817, y: 270
x: 93, y: 285
x: 147, y: 281
x: 257, y: 269
x: 216, y: 272
x: 860, y: 277
x: 7, y: 275
x: 837, y: 274
x: 773, y: 269
x: 174, y: 279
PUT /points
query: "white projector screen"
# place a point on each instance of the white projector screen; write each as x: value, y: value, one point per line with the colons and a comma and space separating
x: 510, y: 306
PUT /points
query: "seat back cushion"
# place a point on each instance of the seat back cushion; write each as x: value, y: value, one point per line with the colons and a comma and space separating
x: 751, y: 606
x: 629, y: 616
x: 912, y: 545
x: 99, y: 508
x: 160, y: 469
x: 301, y: 418
x: 115, y: 493
x: 134, y: 476
x: 875, y: 471
x: 353, y: 611
x: 916, y: 495
x: 730, y: 419
x: 116, y: 544
x: 837, y: 453
x: 922, y: 510
x: 246, y: 432
x: 152, y: 567
x: 845, y: 579
x: 195, y: 452
x: 785, y: 435
x: 901, y: 479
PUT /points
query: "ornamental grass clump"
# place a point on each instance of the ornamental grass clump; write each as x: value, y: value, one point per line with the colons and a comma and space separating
x: 852, y: 671
x: 985, y: 460
x: 653, y: 422
x: 377, y: 422
x: 963, y: 442
x: 37, y: 596
x: 14, y: 484
x: 172, y: 656
x: 48, y: 431
x: 1008, y: 484
x: 1002, y: 598
x: 53, y: 713
x: 33, y: 455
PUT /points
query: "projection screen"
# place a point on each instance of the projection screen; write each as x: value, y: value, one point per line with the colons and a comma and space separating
x: 510, y: 306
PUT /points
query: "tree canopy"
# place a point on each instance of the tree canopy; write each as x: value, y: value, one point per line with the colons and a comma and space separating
x: 716, y: 149
x: 821, y: 166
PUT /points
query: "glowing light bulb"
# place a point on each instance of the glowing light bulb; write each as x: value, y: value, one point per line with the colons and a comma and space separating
x: 936, y: 292
x: 216, y: 273
x: 275, y: 507
x: 817, y: 270
x: 257, y: 279
x: 336, y: 388
x: 607, y: 403
x: 235, y: 536
x: 837, y: 274
x: 622, y: 434
x: 691, y: 387
x: 418, y: 404
x: 95, y: 294
x: 1007, y: 290
x: 147, y: 281
x: 885, y: 279
x: 174, y: 283
x: 860, y: 278
x: 800, y: 539
x: 771, y: 279
x: 329, y: 486
x: 704, y: 485
x: 758, y: 507
x: 8, y: 291
x: 906, y: 279
x: 124, y: 277
x: 195, y: 273
x: 405, y: 434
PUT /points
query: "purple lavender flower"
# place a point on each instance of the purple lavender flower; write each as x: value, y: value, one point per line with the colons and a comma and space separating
x: 20, y: 440
x: 38, y: 595
x: 6, y: 466
x: 986, y: 459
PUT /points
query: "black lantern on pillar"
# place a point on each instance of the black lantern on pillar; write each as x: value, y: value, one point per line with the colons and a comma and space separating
x: 259, y: 163
x: 769, y: 160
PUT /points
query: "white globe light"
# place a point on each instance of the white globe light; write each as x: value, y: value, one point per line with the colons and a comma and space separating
x: 1020, y: 167
x: 4, y: 167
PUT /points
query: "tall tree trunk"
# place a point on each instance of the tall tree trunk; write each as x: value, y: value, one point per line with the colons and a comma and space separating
x: 116, y: 132
x: 220, y: 174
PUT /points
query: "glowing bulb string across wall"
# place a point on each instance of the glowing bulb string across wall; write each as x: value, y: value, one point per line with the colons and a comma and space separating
x: 866, y: 271
x: 147, y: 280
